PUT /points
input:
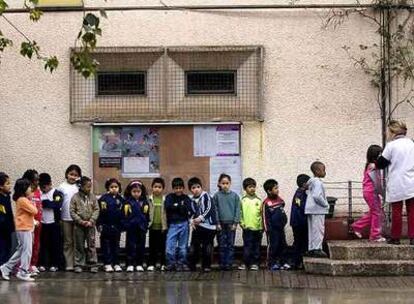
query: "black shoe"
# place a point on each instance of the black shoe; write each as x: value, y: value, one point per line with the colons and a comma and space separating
x: 394, y: 242
x: 185, y: 268
x: 170, y: 268
x: 319, y: 254
x: 206, y: 270
x: 309, y: 253
x: 412, y: 242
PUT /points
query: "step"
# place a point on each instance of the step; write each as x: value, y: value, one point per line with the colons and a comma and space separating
x: 358, y: 267
x: 365, y: 250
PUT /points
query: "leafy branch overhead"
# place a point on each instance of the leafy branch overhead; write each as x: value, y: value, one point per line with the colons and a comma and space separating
x: 82, y: 59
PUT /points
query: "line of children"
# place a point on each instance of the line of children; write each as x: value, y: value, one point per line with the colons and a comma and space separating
x: 169, y: 221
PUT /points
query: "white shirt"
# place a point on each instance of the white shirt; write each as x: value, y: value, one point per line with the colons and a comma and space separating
x: 48, y: 215
x: 400, y: 180
x: 68, y: 191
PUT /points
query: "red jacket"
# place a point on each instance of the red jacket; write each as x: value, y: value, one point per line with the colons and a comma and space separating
x: 37, y: 202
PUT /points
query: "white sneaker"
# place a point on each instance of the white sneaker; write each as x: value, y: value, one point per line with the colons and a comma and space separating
x: 108, y: 268
x: 140, y: 268
x: 42, y: 269
x: 4, y: 273
x: 34, y: 269
x: 242, y: 267
x: 151, y: 268
x: 53, y: 269
x: 130, y: 269
x: 117, y: 268
x: 24, y: 277
x: 163, y: 268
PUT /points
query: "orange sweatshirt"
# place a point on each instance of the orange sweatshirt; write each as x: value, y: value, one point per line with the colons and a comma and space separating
x: 25, y: 212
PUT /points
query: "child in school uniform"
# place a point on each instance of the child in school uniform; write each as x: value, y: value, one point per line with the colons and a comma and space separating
x: 275, y: 219
x: 84, y: 210
x: 109, y: 224
x: 251, y: 223
x: 6, y: 218
x: 50, y: 239
x: 135, y: 222
x: 157, y: 225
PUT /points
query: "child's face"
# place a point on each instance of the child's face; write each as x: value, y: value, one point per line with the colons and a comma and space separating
x: 113, y: 189
x: 274, y: 192
x: 157, y: 189
x: 136, y: 193
x: 320, y: 171
x: 29, y: 193
x: 196, y: 190
x: 178, y: 190
x: 72, y: 177
x: 250, y: 190
x: 225, y: 184
x: 46, y: 188
x: 87, y: 187
x: 6, y: 188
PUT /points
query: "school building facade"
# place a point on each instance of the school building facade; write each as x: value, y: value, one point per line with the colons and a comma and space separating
x: 269, y: 90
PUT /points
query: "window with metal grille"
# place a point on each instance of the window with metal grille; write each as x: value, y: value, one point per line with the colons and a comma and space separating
x: 120, y: 83
x: 210, y: 82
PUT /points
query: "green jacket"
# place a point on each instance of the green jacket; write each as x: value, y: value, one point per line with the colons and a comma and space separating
x: 251, y: 213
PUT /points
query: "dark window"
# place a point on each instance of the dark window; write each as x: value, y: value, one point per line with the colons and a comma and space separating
x: 210, y: 82
x: 121, y: 83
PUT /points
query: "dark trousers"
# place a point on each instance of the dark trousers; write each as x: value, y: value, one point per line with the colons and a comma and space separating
x: 110, y: 238
x: 5, y: 248
x: 51, y: 246
x: 226, y: 245
x: 252, y: 241
x: 157, y: 239
x: 300, y: 243
x: 202, y: 240
x: 276, y: 240
x: 135, y: 247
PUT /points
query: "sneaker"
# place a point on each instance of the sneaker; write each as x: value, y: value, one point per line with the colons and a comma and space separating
x: 275, y: 267
x: 207, y: 269
x: 151, y: 268
x: 117, y: 268
x: 53, y: 269
x: 169, y: 268
x: 241, y: 267
x: 24, y: 277
x: 185, y: 268
x: 163, y: 268
x: 319, y: 254
x: 4, y: 273
x: 34, y: 269
x: 358, y: 234
x: 69, y: 269
x: 140, y: 268
x: 130, y: 268
x: 33, y: 273
x: 411, y: 242
x: 286, y: 266
x: 394, y: 242
x: 379, y: 240
x: 254, y: 267
x: 42, y: 268
x: 108, y: 268
x: 94, y: 269
x: 78, y: 269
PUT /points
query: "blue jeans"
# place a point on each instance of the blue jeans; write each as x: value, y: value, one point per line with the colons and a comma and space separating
x: 177, y: 238
x: 252, y: 241
x: 226, y: 245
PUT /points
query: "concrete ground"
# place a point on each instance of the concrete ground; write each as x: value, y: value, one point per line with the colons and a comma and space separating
x: 236, y: 287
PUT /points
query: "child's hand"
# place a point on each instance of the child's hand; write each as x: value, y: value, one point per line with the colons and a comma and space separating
x: 218, y: 227
x: 233, y: 227
x: 36, y: 223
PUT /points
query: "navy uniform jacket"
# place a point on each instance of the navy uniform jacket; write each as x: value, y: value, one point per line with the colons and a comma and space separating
x: 110, y: 212
x: 6, y: 216
x: 55, y: 204
x: 297, y: 213
x: 135, y: 214
x: 177, y: 208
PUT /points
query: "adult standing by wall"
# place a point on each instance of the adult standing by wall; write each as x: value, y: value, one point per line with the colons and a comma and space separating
x: 398, y: 157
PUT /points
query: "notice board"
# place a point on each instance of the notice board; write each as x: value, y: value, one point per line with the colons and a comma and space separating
x: 143, y: 152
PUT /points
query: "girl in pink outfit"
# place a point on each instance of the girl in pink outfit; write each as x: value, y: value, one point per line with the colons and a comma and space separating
x: 371, y: 188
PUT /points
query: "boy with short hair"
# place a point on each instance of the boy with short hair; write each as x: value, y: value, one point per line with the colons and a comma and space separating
x: 316, y: 208
x: 204, y: 225
x: 274, y: 219
x: 157, y: 225
x: 251, y: 223
x: 177, y: 208
x: 51, y: 247
x: 298, y: 220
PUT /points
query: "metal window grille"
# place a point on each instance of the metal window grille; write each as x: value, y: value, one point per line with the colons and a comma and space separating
x: 151, y: 84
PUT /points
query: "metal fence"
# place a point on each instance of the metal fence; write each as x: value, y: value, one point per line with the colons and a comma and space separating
x: 170, y: 84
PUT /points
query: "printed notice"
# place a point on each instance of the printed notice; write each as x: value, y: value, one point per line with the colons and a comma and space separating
x: 230, y: 165
x: 227, y: 139
x: 205, y: 141
x: 135, y: 165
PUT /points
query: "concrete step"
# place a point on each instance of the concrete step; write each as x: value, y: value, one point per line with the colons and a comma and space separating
x: 365, y: 250
x: 358, y: 267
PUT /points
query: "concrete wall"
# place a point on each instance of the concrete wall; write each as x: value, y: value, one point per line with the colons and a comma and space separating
x: 317, y: 105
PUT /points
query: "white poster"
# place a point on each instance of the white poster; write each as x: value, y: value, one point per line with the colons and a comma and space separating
x: 133, y: 164
x: 205, y: 141
x: 227, y: 142
x: 230, y: 165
